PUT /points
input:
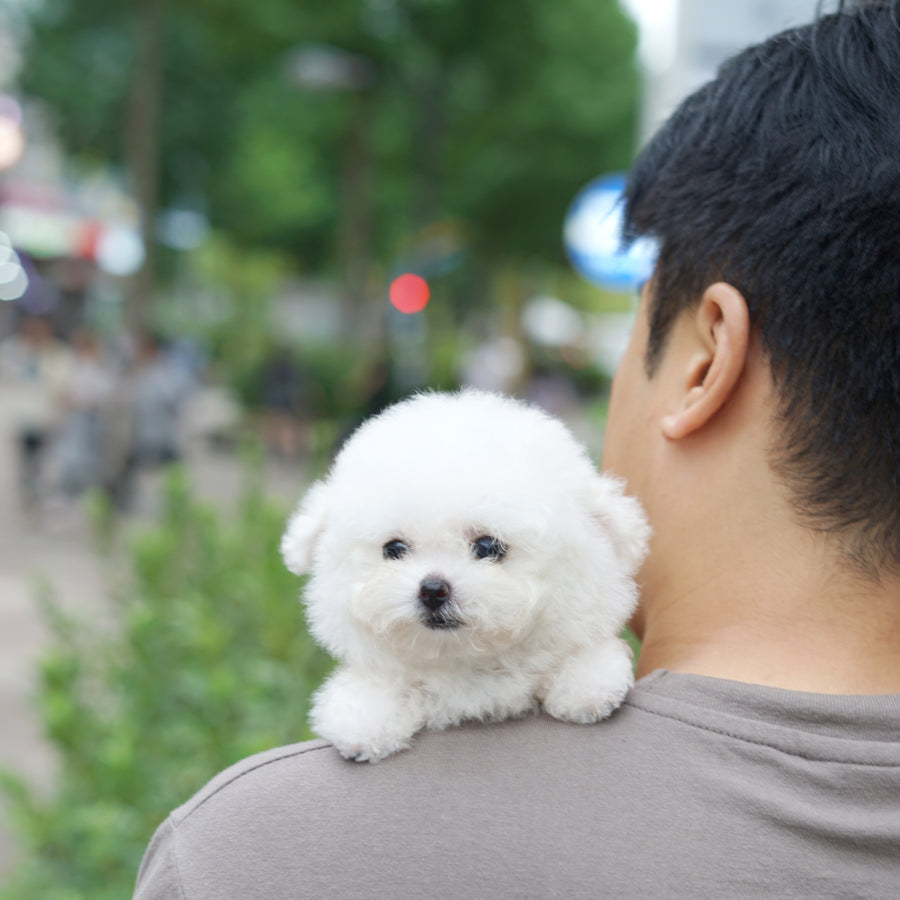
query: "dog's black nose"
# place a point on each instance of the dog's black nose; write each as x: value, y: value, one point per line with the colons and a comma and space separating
x: 434, y: 593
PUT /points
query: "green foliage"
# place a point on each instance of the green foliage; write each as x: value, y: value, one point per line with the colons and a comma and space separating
x: 634, y: 643
x: 491, y: 112
x: 540, y: 98
x: 227, y: 307
x: 205, y: 662
x: 239, y: 334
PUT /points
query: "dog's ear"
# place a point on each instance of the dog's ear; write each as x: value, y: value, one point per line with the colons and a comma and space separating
x: 623, y: 519
x: 304, y: 528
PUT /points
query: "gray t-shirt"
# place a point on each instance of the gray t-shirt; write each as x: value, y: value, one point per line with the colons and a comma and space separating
x: 696, y: 787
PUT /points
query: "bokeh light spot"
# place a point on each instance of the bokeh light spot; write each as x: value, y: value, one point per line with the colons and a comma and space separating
x: 409, y: 293
x: 13, y: 278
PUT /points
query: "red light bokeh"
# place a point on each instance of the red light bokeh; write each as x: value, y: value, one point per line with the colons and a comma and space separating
x: 409, y: 293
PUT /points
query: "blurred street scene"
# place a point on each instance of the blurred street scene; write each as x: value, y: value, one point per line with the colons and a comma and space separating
x: 50, y: 544
x: 228, y: 233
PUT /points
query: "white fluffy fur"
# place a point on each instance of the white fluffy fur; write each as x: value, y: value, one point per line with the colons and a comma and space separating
x: 539, y: 625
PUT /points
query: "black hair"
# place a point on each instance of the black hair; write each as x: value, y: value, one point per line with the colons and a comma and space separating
x: 782, y: 177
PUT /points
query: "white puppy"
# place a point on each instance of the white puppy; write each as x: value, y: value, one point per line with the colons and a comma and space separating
x: 467, y: 562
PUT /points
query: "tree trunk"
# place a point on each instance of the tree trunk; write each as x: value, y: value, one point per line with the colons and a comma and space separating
x: 143, y: 146
x: 355, y: 227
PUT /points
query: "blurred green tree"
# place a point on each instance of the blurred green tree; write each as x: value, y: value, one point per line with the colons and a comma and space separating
x: 204, y: 661
x: 492, y: 114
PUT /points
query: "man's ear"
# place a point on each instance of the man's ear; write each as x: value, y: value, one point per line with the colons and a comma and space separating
x: 304, y: 528
x: 720, y: 332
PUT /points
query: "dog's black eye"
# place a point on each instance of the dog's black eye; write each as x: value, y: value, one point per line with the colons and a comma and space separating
x: 488, y: 547
x: 395, y: 549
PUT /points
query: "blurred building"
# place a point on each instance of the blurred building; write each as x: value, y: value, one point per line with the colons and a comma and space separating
x: 69, y: 229
x: 705, y: 34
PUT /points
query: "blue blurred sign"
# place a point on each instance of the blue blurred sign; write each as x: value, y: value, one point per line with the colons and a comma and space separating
x: 593, y: 238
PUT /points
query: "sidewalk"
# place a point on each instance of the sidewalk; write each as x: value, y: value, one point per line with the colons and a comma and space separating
x: 63, y: 555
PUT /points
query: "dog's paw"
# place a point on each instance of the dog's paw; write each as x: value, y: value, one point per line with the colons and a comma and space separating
x: 591, y: 684
x: 372, y: 746
x: 365, y: 719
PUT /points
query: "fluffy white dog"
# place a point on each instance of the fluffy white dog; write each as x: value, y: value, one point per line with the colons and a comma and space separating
x: 467, y: 561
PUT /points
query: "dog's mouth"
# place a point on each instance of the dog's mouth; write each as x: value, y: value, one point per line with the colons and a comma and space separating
x: 437, y: 622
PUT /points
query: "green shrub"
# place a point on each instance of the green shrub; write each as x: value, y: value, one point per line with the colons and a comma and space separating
x: 206, y: 661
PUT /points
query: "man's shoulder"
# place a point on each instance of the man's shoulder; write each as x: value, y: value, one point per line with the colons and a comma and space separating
x: 301, y: 821
x: 470, y: 755
x: 253, y: 770
x: 681, y: 766
x: 667, y: 724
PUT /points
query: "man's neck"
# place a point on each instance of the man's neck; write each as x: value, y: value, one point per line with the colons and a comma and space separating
x: 840, y: 637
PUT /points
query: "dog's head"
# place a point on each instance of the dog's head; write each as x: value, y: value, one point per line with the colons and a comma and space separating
x: 456, y: 524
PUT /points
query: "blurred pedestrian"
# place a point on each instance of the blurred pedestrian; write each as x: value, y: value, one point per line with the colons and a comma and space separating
x: 36, y: 366
x: 141, y: 426
x: 84, y: 397
x: 117, y: 462
x: 159, y: 388
x: 282, y: 386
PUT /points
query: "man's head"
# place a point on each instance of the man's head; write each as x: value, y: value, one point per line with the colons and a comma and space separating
x: 781, y: 178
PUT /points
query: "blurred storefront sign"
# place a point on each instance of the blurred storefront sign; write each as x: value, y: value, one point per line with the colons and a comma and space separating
x: 50, y: 211
x: 54, y: 232
x: 47, y: 221
x: 48, y: 232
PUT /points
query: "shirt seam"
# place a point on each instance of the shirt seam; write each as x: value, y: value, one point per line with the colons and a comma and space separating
x: 238, y: 775
x: 758, y: 743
